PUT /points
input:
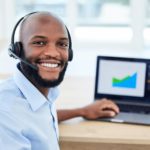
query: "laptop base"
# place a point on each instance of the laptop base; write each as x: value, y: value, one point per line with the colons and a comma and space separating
x: 132, y: 118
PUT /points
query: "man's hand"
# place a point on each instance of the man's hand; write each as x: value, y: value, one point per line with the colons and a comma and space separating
x: 100, y: 108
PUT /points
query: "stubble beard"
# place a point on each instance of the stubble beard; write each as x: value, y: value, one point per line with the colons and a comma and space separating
x: 34, y: 76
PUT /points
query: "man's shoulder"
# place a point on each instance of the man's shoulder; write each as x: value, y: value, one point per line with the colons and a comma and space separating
x: 8, y: 87
x: 9, y: 93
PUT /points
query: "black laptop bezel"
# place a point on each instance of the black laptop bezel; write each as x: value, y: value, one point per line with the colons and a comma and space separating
x: 123, y: 99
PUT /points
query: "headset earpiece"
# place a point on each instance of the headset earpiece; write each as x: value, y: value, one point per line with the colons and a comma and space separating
x: 70, y: 54
x: 70, y: 46
x: 16, y: 49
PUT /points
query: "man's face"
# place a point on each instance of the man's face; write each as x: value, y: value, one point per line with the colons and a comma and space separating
x: 45, y: 43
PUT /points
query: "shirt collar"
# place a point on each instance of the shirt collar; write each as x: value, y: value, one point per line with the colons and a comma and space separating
x: 34, y: 97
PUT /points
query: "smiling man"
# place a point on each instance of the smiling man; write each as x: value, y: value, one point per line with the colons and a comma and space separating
x: 28, y: 118
x: 45, y: 46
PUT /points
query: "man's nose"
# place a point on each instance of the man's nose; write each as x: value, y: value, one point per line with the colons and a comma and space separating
x: 52, y: 50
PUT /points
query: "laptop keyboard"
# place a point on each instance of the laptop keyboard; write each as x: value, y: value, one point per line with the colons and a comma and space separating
x: 134, y: 108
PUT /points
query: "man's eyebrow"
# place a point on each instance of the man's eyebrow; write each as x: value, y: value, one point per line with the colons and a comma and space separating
x: 39, y: 36
x: 64, y: 39
x: 43, y: 37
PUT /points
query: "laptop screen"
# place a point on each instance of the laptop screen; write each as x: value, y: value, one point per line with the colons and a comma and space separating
x: 124, y: 79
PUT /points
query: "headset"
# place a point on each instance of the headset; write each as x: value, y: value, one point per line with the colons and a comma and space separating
x: 15, y: 49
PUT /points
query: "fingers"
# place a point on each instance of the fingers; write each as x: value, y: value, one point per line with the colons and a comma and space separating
x: 100, y: 108
x: 114, y: 106
x: 107, y: 113
x: 106, y: 104
x: 111, y: 107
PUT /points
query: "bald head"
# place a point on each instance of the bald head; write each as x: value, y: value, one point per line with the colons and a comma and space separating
x: 39, y: 18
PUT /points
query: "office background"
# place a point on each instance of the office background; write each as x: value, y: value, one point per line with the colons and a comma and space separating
x: 98, y: 27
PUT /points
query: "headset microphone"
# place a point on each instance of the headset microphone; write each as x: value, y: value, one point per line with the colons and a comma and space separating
x: 23, y: 60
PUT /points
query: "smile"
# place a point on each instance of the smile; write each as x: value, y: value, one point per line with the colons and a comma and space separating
x: 49, y: 65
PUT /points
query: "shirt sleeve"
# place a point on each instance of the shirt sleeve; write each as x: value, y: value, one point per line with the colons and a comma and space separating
x: 11, y: 135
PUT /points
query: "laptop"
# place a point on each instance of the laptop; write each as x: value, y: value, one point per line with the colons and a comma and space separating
x: 126, y: 81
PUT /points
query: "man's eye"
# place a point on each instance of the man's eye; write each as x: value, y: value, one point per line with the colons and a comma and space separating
x: 63, y: 44
x: 39, y: 43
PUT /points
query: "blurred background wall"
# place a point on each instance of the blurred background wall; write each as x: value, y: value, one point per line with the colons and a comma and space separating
x: 98, y: 27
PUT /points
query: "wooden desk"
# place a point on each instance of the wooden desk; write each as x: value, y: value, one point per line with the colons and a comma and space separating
x: 92, y: 135
x: 78, y: 134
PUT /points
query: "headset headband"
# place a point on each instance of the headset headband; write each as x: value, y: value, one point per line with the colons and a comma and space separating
x: 14, y: 48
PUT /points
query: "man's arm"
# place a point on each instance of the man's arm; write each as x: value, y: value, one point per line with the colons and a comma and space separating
x: 100, y: 108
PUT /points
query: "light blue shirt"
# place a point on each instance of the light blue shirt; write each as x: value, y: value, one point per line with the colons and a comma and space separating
x: 28, y: 120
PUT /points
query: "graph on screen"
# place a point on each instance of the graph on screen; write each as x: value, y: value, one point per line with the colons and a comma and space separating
x: 121, y: 78
x: 128, y: 81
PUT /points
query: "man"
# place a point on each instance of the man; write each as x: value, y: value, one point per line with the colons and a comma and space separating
x: 27, y: 101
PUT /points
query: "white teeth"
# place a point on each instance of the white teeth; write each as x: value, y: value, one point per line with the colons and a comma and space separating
x: 49, y: 65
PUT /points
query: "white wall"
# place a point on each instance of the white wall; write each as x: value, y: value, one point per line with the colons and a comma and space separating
x: 87, y: 42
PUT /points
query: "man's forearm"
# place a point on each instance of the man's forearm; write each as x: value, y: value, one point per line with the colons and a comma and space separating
x: 98, y: 109
x: 64, y: 114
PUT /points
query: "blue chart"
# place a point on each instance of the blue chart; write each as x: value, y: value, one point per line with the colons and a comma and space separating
x: 126, y: 82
